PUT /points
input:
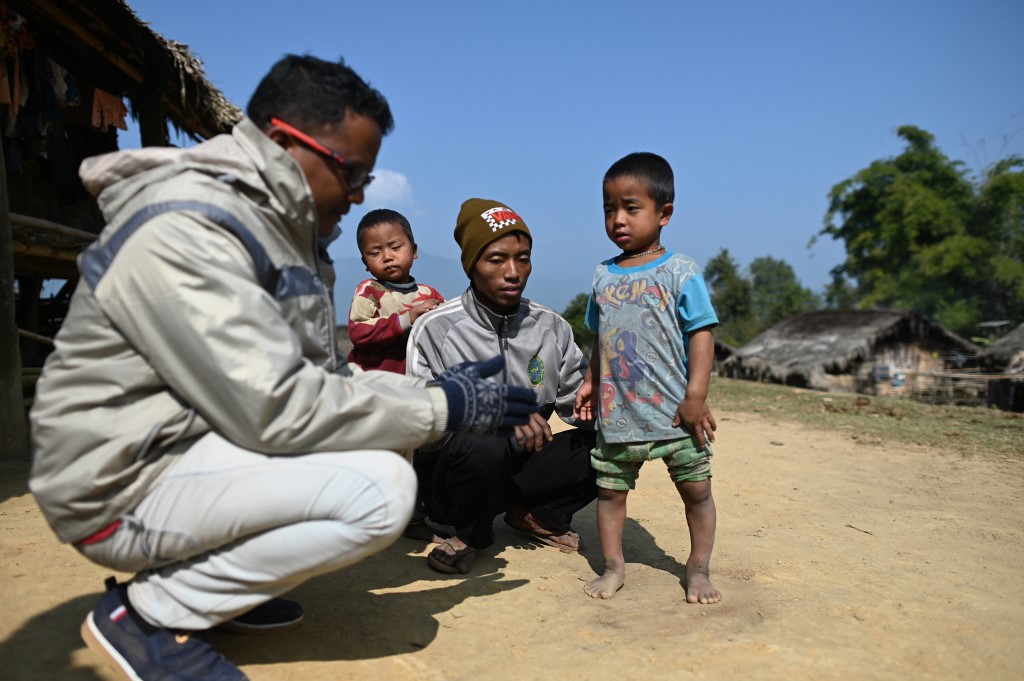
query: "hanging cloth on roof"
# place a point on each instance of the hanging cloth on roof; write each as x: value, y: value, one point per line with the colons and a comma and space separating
x: 108, y: 110
x: 14, y: 40
x: 59, y: 83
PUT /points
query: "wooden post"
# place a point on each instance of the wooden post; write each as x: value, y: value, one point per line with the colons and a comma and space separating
x: 29, y: 289
x: 152, y: 124
x: 13, y: 426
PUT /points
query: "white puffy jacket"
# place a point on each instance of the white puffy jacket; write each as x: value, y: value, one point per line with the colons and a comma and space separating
x: 202, y: 306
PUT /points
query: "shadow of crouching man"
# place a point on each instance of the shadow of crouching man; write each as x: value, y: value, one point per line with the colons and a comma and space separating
x: 36, y: 650
x: 346, y: 620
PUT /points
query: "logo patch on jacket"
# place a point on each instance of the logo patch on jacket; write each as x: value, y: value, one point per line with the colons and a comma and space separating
x: 535, y: 370
x: 499, y: 217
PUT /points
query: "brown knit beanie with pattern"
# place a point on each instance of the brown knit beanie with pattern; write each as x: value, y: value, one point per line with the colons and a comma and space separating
x: 482, y: 221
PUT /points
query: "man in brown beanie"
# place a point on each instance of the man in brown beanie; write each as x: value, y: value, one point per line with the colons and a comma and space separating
x: 538, y: 479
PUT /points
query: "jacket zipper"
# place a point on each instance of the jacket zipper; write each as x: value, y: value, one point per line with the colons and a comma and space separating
x: 502, y: 347
x: 332, y: 341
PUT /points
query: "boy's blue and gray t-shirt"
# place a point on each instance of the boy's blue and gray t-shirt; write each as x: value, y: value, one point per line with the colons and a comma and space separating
x: 643, y: 316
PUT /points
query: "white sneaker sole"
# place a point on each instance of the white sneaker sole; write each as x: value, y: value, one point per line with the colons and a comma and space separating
x: 98, y: 643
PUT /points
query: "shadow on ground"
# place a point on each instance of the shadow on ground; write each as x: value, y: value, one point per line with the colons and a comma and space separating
x: 344, y: 619
x: 639, y: 546
x: 13, y: 478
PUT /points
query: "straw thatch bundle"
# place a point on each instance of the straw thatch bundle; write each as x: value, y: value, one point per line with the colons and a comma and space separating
x: 1007, y: 353
x: 127, y: 57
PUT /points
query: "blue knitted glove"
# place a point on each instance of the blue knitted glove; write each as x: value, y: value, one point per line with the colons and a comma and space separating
x: 476, y: 405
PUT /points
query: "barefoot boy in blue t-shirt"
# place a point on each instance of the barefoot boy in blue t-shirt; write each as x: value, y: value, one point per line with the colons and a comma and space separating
x: 649, y: 374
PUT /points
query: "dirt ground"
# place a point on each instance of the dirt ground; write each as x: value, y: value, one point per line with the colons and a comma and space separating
x: 837, y: 558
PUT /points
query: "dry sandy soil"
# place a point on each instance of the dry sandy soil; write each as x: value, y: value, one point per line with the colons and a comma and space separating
x: 838, y: 558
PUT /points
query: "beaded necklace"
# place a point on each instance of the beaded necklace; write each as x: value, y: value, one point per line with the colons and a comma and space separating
x: 641, y: 254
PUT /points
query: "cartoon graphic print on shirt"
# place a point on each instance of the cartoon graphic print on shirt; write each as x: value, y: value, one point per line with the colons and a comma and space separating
x: 642, y: 316
x: 640, y: 292
x: 633, y: 373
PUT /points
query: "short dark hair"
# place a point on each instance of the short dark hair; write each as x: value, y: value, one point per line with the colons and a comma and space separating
x: 380, y: 216
x: 311, y: 93
x: 652, y: 170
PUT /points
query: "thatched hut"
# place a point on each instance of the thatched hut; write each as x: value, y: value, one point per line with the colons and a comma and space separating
x: 870, y: 351
x: 70, y: 72
x: 1006, y: 356
x: 723, y: 351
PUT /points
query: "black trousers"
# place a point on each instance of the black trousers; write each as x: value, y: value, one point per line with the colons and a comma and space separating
x: 473, y: 478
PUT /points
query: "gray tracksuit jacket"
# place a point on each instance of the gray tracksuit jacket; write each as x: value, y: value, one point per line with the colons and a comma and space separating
x: 202, y: 307
x: 537, y: 343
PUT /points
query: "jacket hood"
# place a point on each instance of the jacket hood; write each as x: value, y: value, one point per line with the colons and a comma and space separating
x: 246, y: 156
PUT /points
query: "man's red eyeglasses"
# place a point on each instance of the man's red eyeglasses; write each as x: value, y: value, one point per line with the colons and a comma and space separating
x: 357, y: 176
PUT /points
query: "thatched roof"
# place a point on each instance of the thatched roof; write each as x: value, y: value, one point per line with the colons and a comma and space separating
x: 723, y: 351
x: 126, y: 57
x: 1007, y: 353
x: 832, y: 341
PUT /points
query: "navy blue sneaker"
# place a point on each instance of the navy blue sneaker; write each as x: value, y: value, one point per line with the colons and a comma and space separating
x: 277, y: 614
x: 112, y: 632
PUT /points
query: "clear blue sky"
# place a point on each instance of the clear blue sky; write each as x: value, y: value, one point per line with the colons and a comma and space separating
x: 759, y: 106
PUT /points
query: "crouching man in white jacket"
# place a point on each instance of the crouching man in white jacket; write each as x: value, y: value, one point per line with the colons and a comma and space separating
x: 193, y: 424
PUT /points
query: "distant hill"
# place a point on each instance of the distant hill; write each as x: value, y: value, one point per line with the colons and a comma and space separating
x: 446, y: 275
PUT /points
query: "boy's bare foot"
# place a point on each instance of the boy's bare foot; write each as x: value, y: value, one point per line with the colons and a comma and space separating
x: 607, y: 584
x: 699, y: 588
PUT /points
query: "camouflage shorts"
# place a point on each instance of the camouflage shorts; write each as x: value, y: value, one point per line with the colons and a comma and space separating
x: 618, y: 465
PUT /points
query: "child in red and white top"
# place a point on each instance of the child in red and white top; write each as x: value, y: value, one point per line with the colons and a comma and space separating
x: 385, y: 307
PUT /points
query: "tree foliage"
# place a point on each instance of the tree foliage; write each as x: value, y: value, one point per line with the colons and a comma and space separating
x: 747, y: 305
x: 922, y: 235
x: 575, y: 313
x: 840, y: 294
x: 776, y: 293
x: 732, y: 297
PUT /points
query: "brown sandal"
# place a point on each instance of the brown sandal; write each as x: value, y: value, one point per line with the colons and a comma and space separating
x: 459, y: 562
x: 523, y: 520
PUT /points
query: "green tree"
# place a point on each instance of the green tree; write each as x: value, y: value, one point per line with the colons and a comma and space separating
x: 920, y: 234
x: 776, y: 293
x: 840, y: 294
x: 575, y: 313
x: 1000, y: 219
x: 732, y: 297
